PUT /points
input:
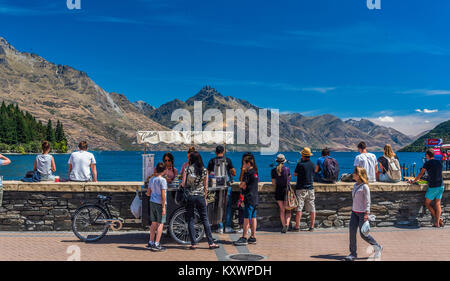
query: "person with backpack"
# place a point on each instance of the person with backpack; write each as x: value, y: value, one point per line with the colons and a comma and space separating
x: 368, y: 161
x: 327, y: 168
x: 223, y: 170
x: 389, y: 166
x: 195, y: 180
x: 436, y: 187
x: 281, y: 177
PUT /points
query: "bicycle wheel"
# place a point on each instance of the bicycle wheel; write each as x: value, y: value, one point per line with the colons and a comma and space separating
x: 178, y: 227
x: 88, y: 223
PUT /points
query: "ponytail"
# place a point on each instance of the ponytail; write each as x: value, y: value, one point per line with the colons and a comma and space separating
x: 280, y: 168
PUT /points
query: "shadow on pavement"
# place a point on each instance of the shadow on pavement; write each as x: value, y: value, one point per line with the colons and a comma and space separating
x: 333, y: 257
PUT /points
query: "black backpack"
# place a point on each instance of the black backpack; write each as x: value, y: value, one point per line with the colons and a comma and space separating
x: 330, y: 169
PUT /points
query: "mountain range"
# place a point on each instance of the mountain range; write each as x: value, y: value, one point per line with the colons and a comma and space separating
x: 109, y: 121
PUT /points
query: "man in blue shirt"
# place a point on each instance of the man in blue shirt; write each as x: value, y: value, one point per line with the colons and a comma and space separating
x: 318, y: 177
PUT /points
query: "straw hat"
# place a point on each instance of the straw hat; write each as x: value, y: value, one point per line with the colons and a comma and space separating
x: 306, y: 152
x: 281, y: 158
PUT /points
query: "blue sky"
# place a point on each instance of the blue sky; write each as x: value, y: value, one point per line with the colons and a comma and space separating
x: 312, y: 57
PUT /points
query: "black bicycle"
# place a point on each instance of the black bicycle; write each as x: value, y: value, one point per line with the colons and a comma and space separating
x: 92, y: 221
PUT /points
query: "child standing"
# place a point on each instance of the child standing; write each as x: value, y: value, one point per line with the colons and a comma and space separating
x: 157, y: 188
x: 249, y: 184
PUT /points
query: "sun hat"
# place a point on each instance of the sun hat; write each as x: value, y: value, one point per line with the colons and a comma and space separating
x: 281, y: 158
x: 306, y: 152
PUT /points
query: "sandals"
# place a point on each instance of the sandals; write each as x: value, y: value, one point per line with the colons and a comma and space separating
x: 211, y: 247
x: 214, y: 246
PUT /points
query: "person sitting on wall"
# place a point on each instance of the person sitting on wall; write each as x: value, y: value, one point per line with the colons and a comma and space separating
x: 45, y: 163
x: 368, y: 161
x: 81, y: 163
x: 327, y: 168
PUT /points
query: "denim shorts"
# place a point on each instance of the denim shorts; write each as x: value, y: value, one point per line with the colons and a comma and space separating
x: 249, y: 212
x: 434, y: 193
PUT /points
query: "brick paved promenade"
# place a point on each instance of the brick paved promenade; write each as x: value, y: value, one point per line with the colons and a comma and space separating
x: 321, y: 245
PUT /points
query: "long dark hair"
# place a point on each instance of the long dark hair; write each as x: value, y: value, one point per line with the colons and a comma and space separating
x: 195, y: 159
x: 251, y: 159
x: 171, y: 158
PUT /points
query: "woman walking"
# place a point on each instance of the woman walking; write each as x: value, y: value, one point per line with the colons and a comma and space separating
x: 281, y: 176
x: 45, y: 163
x: 195, y: 180
x: 360, y: 213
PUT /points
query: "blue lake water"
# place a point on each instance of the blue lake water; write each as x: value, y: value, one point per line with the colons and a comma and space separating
x: 127, y: 165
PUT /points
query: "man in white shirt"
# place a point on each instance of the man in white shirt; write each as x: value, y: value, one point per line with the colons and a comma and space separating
x: 368, y: 161
x: 81, y: 163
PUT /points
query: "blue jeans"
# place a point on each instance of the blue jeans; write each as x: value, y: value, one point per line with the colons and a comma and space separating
x: 357, y: 220
x: 228, y: 211
x: 199, y: 203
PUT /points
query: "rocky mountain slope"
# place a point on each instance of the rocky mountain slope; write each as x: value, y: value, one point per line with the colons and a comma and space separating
x: 441, y: 131
x: 296, y: 130
x: 50, y: 91
x: 109, y: 121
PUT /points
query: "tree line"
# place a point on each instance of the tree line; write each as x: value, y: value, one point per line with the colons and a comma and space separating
x: 20, y: 132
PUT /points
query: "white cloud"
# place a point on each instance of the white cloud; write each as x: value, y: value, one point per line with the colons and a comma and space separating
x: 427, y: 92
x: 413, y: 124
x: 386, y: 119
x: 427, y: 110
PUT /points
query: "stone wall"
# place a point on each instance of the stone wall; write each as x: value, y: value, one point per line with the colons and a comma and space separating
x: 50, y: 206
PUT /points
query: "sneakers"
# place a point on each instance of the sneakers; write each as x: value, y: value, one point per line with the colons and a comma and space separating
x: 249, y: 231
x: 350, y: 258
x: 219, y: 231
x: 150, y: 246
x: 378, y: 250
x: 284, y: 229
x: 252, y: 240
x: 229, y: 230
x: 311, y: 229
x: 158, y: 248
x: 241, y: 242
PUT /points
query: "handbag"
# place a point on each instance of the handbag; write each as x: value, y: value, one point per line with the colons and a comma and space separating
x: 182, y: 194
x: 290, y: 201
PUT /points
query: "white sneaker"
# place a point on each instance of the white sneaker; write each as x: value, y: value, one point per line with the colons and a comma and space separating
x: 229, y: 230
x: 219, y: 230
x: 378, y: 250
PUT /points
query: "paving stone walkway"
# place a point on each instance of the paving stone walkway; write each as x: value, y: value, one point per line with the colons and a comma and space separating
x: 424, y: 244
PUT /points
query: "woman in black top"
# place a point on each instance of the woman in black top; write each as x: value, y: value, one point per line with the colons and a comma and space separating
x: 195, y: 179
x: 281, y: 176
x: 249, y: 185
